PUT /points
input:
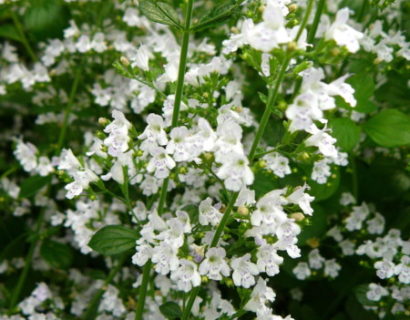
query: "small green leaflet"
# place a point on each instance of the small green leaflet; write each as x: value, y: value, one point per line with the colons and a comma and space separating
x: 10, y: 32
x: 390, y: 128
x: 171, y: 310
x: 57, y: 255
x: 32, y: 185
x: 114, y: 239
x: 160, y: 12
x: 346, y: 132
x: 218, y: 14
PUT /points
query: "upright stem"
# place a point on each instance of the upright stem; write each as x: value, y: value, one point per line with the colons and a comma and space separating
x: 27, y: 262
x: 23, y: 37
x: 272, y: 97
x: 182, y: 64
x: 179, y: 90
x: 143, y: 290
x: 316, y: 20
x: 175, y: 116
x: 92, y: 310
x: 67, y: 111
x: 305, y: 19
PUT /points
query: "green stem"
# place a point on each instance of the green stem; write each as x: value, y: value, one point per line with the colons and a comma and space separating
x: 179, y: 90
x: 27, y: 263
x: 67, y: 111
x: 92, y: 310
x: 190, y: 303
x: 23, y: 37
x: 316, y: 20
x: 175, y: 116
x: 305, y: 19
x: 143, y: 290
x: 362, y: 11
x: 273, y: 95
x: 163, y: 196
x: 182, y: 63
x: 224, y: 220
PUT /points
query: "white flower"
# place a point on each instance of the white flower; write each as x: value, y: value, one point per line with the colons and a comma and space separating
x: 269, y: 209
x: 347, y: 198
x: 26, y: 154
x: 261, y: 294
x: 302, y: 271
x: 186, y: 275
x: 376, y: 225
x: 376, y: 292
x: 268, y: 260
x: 140, y: 58
x: 165, y: 258
x: 315, y: 259
x: 160, y: 163
x: 208, y: 214
x: 357, y: 217
x: 214, y: 265
x: 179, y: 147
x: 244, y: 271
x: 81, y: 181
x: 342, y: 33
x: 321, y: 171
x: 143, y: 254
x: 385, y: 269
x: 341, y: 88
x: 277, y: 163
x: 246, y: 197
x: 332, y: 268
x: 302, y: 199
x: 154, y: 132
x: 322, y: 140
x: 117, y: 141
x: 235, y: 172
x: 44, y: 166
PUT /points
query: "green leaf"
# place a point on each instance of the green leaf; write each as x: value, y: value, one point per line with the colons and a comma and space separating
x: 317, y: 225
x: 57, y: 255
x: 160, y: 12
x: 113, y: 239
x: 171, y: 310
x: 346, y: 132
x: 364, y: 87
x: 10, y: 32
x: 32, y: 185
x: 326, y: 190
x: 389, y: 128
x: 360, y: 293
x: 44, y: 19
x: 217, y: 15
x: 123, y: 70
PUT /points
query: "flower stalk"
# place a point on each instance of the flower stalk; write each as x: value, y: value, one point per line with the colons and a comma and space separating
x: 175, y: 118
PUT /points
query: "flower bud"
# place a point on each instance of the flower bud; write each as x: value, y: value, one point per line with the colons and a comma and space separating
x: 335, y: 52
x: 292, y: 46
x: 124, y: 61
x: 262, y: 163
x: 103, y: 121
x: 292, y: 7
x: 313, y: 242
x: 297, y: 216
x: 243, y: 211
x: 182, y: 170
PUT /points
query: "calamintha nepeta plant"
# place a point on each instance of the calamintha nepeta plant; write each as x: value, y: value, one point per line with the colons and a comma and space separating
x: 204, y: 159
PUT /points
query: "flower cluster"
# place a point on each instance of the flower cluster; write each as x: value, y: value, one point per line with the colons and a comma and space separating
x: 204, y: 159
